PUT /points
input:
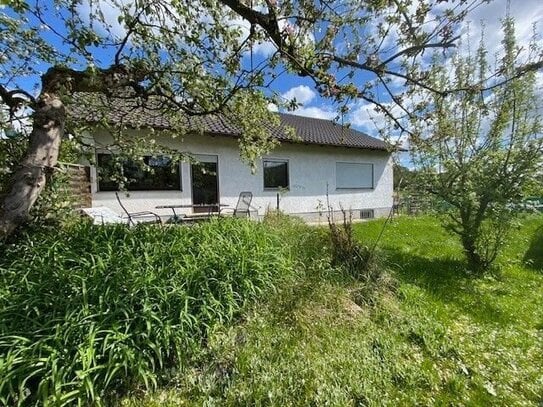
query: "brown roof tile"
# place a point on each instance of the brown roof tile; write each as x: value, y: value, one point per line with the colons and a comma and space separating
x: 127, y: 111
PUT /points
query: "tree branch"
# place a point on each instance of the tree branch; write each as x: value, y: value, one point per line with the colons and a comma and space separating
x: 386, y: 111
x: 267, y: 21
x: 418, y: 48
x: 62, y: 80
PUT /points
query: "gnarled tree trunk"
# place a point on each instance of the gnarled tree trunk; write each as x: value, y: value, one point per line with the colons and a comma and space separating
x: 29, y: 179
x: 48, y: 128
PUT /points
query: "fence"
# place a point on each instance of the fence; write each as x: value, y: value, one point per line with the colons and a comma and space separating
x: 78, y: 184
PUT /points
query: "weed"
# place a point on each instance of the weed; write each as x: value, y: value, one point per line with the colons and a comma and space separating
x: 347, y: 251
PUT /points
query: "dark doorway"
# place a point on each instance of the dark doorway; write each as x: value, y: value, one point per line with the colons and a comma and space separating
x: 205, y: 185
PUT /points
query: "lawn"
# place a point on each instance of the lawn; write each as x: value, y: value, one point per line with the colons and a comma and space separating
x: 429, y: 333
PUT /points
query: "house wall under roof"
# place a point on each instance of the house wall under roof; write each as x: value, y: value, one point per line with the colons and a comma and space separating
x: 312, y: 173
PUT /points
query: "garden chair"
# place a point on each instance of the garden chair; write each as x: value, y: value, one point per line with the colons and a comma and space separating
x: 142, y: 217
x: 243, y: 207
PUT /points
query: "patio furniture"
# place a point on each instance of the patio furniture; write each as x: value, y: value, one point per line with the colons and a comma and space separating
x: 177, y: 217
x: 142, y: 217
x: 533, y: 204
x: 243, y: 207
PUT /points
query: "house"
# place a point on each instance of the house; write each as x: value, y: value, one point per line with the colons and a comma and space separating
x: 328, y: 165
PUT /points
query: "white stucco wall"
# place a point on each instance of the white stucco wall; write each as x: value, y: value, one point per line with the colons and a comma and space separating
x: 311, y: 171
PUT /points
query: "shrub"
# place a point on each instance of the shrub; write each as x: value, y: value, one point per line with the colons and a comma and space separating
x: 88, y: 310
x: 347, y: 252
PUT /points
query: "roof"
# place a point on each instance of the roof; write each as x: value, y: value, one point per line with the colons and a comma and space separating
x: 308, y: 130
x: 326, y: 132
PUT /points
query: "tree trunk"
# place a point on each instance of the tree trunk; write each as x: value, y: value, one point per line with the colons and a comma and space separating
x: 29, y: 180
x: 475, y: 261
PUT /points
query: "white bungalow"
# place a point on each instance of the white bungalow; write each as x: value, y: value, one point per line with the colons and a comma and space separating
x: 329, y: 165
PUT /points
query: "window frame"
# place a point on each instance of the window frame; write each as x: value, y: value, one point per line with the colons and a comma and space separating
x: 277, y: 160
x: 98, y: 189
x: 338, y: 188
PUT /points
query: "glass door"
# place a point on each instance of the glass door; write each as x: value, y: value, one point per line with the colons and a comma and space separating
x: 205, y: 184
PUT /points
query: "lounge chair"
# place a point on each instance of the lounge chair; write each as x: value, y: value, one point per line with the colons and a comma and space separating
x: 243, y: 207
x: 141, y: 217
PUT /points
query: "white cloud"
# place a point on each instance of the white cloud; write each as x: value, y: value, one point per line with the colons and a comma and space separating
x: 525, y: 13
x: 266, y: 47
x: 316, y: 112
x: 263, y: 48
x: 364, y: 116
x: 110, y: 14
x: 272, y: 107
x: 303, y: 94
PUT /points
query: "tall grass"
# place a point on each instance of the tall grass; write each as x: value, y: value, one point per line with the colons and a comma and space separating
x: 87, y: 310
x: 442, y: 338
x: 309, y: 246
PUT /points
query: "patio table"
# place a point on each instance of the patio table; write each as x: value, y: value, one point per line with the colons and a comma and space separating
x: 176, y: 217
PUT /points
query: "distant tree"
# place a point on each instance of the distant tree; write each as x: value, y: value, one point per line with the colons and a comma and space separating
x: 478, y: 149
x: 191, y: 56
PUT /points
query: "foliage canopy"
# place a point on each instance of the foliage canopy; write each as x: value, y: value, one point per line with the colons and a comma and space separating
x: 479, y: 149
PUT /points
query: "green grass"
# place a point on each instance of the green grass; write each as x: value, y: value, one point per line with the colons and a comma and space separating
x: 87, y: 311
x: 431, y: 334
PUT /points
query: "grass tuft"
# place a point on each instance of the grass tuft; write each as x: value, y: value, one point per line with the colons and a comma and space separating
x: 534, y: 255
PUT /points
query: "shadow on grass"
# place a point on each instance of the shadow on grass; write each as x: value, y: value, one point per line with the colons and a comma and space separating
x: 447, y: 280
x: 534, y: 255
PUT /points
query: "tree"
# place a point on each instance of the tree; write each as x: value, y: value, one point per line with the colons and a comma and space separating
x: 191, y: 57
x: 479, y: 148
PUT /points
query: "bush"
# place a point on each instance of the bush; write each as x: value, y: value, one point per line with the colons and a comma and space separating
x: 88, y: 310
x: 348, y: 253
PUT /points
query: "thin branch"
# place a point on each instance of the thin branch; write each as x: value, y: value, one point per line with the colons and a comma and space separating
x: 418, y: 48
x: 37, y: 12
x: 267, y: 21
x: 131, y: 29
x: 387, y: 112
x: 393, y: 96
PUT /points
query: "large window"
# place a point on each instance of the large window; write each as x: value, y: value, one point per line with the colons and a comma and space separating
x: 354, y: 176
x: 156, y: 173
x: 275, y: 174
